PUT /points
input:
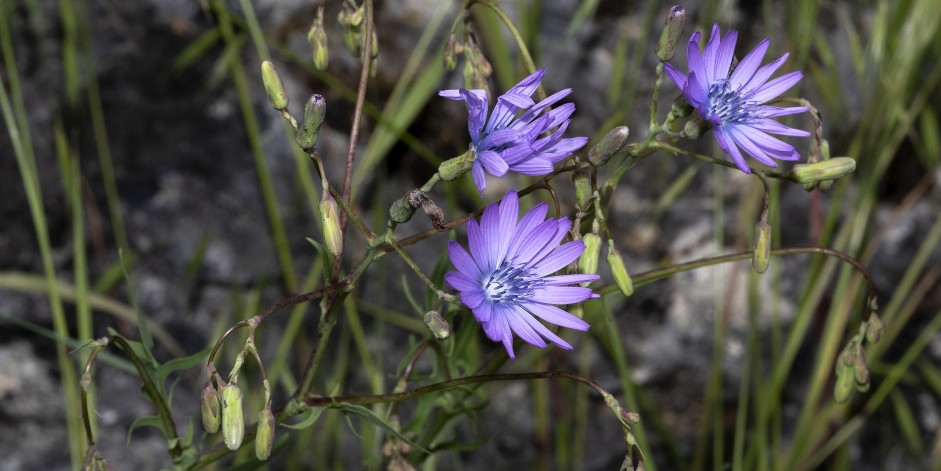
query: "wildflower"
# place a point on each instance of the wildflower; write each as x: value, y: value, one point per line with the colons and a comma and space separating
x: 505, y: 279
x: 508, y: 141
x: 734, y: 104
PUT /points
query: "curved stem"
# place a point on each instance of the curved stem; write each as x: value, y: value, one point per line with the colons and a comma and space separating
x: 520, y: 42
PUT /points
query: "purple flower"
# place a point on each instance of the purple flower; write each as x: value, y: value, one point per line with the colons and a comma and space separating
x: 505, y: 279
x: 510, y: 140
x: 733, y: 104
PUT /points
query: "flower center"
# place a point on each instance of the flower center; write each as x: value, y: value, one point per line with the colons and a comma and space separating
x: 509, y: 283
x: 727, y: 105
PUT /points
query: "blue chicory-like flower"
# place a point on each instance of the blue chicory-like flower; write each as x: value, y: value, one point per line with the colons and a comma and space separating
x: 734, y: 104
x: 510, y: 141
x: 505, y: 280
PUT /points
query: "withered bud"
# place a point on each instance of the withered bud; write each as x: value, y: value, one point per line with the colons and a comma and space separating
x: 874, y: 328
x: 437, y: 325
x: 451, y: 50
x: 845, y: 382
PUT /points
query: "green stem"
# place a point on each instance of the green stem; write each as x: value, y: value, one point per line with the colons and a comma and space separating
x: 520, y: 42
x: 390, y: 238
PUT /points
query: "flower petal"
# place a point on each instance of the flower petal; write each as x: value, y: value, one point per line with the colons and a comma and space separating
x: 543, y: 331
x: 679, y: 78
x: 535, y: 167
x: 559, y: 258
x: 480, y: 178
x: 461, y: 282
x: 747, y: 67
x: 731, y: 149
x: 724, y: 56
x: 556, y: 316
x: 493, y: 163
x: 561, y: 295
x: 462, y: 261
x: 574, y: 279
x: 775, y: 87
x: 516, y: 319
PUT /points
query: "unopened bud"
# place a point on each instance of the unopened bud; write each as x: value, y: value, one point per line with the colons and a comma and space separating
x: 676, y: 19
x: 351, y: 18
x: 874, y: 328
x: 845, y: 383
x: 832, y: 169
x: 588, y: 262
x: 619, y: 271
x: 629, y: 416
x: 762, y: 254
x: 680, y: 108
x: 317, y: 37
x: 582, y: 180
x: 273, y: 86
x: 401, y: 210
x: 609, y: 145
x: 210, y: 408
x: 451, y: 169
x: 825, y: 155
x: 314, y: 112
x: 451, y: 49
x: 437, y: 325
x: 861, y: 369
x: 695, y: 127
x: 332, y: 235
x: 233, y: 420
x: 264, y: 437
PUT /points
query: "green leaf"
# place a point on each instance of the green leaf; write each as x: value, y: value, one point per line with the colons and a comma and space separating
x: 151, y: 421
x: 184, y: 363
x: 410, y: 298
x: 196, y: 49
x: 310, y: 419
x: 142, y: 326
x: 371, y: 416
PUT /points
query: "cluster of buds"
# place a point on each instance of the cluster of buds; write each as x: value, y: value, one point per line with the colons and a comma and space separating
x: 852, y: 369
x: 352, y: 18
x: 477, y: 69
x: 317, y: 37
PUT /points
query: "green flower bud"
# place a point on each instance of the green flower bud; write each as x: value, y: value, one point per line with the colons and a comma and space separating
x: 451, y: 49
x: 401, y: 210
x: 629, y: 416
x: 264, y: 437
x: 619, y: 271
x: 351, y: 18
x: 437, y: 325
x: 845, y: 383
x: 680, y: 108
x: 825, y: 155
x: 832, y: 169
x: 332, y: 235
x: 451, y: 169
x: 861, y: 369
x: 233, y: 421
x: 582, y: 180
x: 874, y: 328
x: 675, y: 23
x: 761, y: 257
x: 314, y: 112
x: 273, y: 86
x: 211, y: 408
x: 588, y: 262
x: 609, y: 145
x: 695, y: 128
x: 317, y: 37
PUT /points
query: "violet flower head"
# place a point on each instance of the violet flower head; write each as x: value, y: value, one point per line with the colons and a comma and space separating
x: 505, y: 280
x: 734, y: 104
x: 510, y: 140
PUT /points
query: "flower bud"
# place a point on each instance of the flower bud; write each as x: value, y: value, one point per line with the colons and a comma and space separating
x: 874, y: 328
x: 332, y: 235
x: 210, y: 408
x: 695, y: 127
x: 588, y: 262
x: 675, y: 23
x: 264, y: 437
x: 582, y: 180
x: 845, y: 383
x: 351, y: 19
x: 680, y: 108
x: 437, y: 325
x: 273, y: 86
x: 233, y: 421
x: 832, y: 169
x: 629, y: 416
x: 861, y: 369
x: 451, y: 49
x: 451, y: 169
x: 619, y: 271
x: 314, y: 112
x: 401, y: 210
x: 609, y: 145
x: 317, y: 37
x: 762, y: 254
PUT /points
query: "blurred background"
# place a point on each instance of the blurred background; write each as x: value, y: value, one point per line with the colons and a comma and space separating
x: 142, y: 129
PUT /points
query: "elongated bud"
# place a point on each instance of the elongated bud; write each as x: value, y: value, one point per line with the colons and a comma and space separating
x: 845, y: 383
x: 233, y: 420
x: 619, y: 271
x: 861, y: 369
x: 676, y: 19
x: 451, y: 169
x: 824, y: 156
x: 273, y: 86
x: 582, y: 180
x: 609, y: 145
x: 588, y: 262
x: 314, y: 112
x: 477, y: 68
x: 761, y: 257
x: 332, y: 235
x: 874, y: 328
x: 317, y: 37
x: 437, y: 325
x: 832, y: 169
x: 211, y: 408
x: 351, y: 18
x: 264, y: 437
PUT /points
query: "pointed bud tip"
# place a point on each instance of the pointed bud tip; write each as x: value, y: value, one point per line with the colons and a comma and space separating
x: 273, y: 86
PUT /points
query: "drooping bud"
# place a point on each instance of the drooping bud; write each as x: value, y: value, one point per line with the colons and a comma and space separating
x: 437, y: 325
x: 874, y: 328
x: 332, y: 235
x: 588, y: 262
x: 845, y: 382
x: 675, y: 22
x: 582, y: 179
x: 832, y: 169
x: 609, y: 145
x: 273, y: 86
x: 451, y: 50
x: 761, y: 257
x: 619, y: 271
x: 314, y: 112
x: 861, y: 369
x: 317, y: 37
x: 451, y: 169
x: 233, y: 420
x: 211, y: 408
x: 351, y: 19
x: 477, y: 68
x: 264, y: 437
x: 401, y: 210
x: 695, y: 128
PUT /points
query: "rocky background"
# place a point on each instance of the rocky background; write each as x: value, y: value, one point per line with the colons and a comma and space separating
x: 187, y: 184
